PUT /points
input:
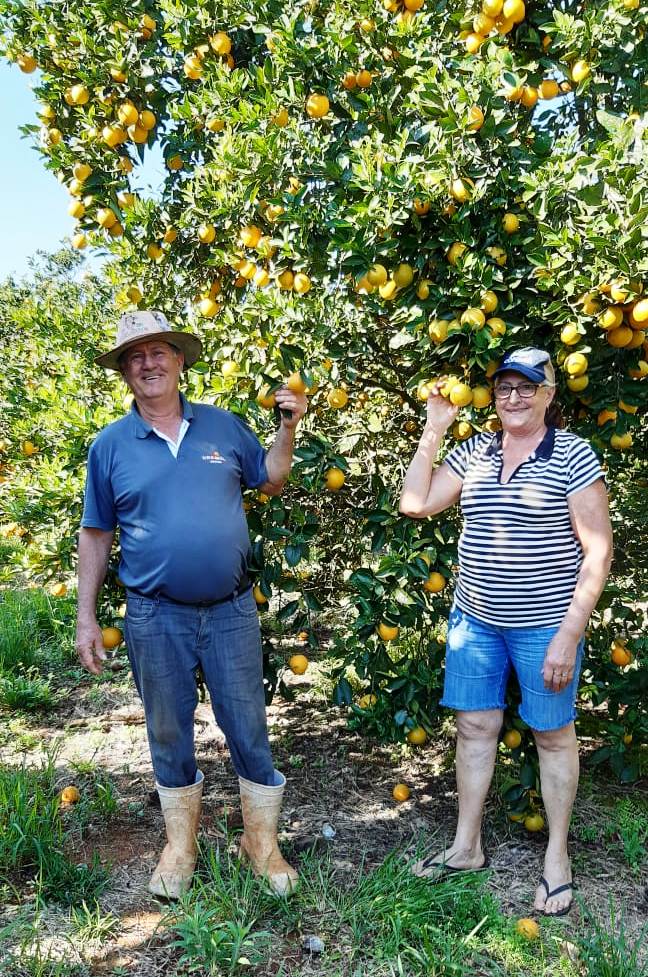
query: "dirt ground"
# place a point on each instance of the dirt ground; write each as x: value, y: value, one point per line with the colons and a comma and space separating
x: 335, y: 779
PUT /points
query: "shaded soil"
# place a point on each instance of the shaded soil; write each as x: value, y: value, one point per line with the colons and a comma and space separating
x: 335, y: 780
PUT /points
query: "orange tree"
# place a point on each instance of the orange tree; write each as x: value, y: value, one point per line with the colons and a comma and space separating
x: 373, y: 194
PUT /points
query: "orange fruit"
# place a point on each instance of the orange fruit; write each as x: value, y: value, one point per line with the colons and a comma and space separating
x: 334, y: 479
x: 461, y: 395
x: 69, y: 795
x: 112, y: 638
x: 258, y: 595
x: 296, y: 383
x: 377, y: 275
x: 298, y: 664
x: 529, y: 96
x: 534, y: 822
x: 620, y: 655
x: 575, y: 364
x: 475, y: 118
x: 58, y: 589
x: 474, y: 318
x: 481, y: 397
x: 621, y: 441
x: 317, y: 105
x: 250, y: 235
x: 337, y: 398
x: 387, y: 631
x: 403, y: 275
x: 580, y: 70
x: 401, y: 792
x: 206, y: 233
x: 512, y: 739
x: 301, y: 283
x: 417, y: 736
x: 435, y: 583
x: 510, y: 223
x: 455, y: 251
x: 367, y: 701
x: 548, y: 88
x: 208, y: 308
x: 220, y: 43
x: 528, y: 928
x: 612, y: 317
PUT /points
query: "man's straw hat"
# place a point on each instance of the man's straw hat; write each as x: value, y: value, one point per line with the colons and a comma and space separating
x: 139, y: 327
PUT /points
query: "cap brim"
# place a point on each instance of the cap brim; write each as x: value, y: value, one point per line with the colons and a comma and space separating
x: 190, y: 346
x: 530, y: 372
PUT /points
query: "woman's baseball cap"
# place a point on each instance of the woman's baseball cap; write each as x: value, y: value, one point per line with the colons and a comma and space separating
x: 533, y: 363
x: 145, y: 326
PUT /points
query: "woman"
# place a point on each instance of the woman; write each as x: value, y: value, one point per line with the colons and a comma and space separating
x: 534, y: 555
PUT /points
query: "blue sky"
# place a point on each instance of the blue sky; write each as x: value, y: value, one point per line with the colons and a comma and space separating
x: 34, y: 203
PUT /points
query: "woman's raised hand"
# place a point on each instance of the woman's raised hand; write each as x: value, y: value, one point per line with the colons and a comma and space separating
x: 440, y: 412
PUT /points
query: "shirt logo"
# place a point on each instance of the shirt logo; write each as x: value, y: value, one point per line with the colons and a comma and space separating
x: 215, y: 458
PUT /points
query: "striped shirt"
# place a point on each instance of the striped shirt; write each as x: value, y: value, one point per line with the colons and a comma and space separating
x: 519, y: 558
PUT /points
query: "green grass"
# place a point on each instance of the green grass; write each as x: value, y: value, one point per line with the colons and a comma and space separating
x: 606, y: 950
x: 35, y: 835
x: 622, y: 828
x: 378, y: 921
x: 36, y: 647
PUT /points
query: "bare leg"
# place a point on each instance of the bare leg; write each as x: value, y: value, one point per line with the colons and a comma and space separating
x: 477, y: 734
x: 558, y: 753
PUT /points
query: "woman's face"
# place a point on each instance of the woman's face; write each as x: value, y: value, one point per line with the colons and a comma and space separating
x: 519, y: 414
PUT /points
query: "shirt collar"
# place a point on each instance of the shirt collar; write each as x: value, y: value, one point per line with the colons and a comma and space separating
x: 143, y: 428
x: 544, y: 449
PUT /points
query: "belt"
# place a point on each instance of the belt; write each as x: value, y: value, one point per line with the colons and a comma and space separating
x: 242, y: 588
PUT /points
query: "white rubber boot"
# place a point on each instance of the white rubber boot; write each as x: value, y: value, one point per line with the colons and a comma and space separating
x: 181, y: 807
x: 260, y: 806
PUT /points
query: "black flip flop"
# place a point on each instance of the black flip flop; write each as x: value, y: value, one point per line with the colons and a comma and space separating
x: 445, y: 869
x: 554, y: 892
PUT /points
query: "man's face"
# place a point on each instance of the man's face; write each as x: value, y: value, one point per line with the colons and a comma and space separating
x: 152, y: 370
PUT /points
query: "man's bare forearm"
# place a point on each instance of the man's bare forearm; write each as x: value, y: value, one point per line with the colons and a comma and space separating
x: 279, y: 458
x: 94, y: 553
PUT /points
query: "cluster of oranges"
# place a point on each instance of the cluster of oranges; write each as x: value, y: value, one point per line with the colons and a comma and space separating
x: 495, y: 15
x: 220, y: 44
x: 622, y: 313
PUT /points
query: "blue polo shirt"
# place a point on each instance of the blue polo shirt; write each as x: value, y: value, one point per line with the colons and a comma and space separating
x: 183, y: 532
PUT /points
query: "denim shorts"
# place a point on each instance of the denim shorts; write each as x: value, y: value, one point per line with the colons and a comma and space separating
x: 479, y: 658
x: 167, y: 642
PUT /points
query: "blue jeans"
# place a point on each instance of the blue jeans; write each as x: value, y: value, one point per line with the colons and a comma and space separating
x: 479, y: 658
x: 166, y: 644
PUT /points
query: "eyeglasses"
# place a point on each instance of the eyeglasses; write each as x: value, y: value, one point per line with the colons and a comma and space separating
x: 525, y: 390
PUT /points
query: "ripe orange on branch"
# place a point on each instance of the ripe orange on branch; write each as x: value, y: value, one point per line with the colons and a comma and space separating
x: 335, y: 479
x: 387, y: 632
x: 111, y: 637
x: 317, y: 105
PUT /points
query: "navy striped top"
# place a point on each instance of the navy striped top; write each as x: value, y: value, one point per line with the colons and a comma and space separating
x: 519, y: 558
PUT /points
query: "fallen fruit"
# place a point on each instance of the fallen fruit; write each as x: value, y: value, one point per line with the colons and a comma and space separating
x: 69, y: 795
x: 528, y: 928
x: 298, y: 664
x: 401, y: 792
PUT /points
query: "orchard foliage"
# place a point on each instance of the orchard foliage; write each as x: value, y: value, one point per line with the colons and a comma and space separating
x: 373, y: 195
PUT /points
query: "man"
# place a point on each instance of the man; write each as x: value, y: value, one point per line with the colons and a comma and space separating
x: 169, y: 475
